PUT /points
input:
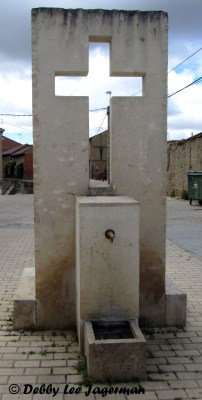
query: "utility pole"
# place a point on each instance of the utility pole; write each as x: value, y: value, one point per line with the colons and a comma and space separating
x: 108, y: 145
x: 108, y: 138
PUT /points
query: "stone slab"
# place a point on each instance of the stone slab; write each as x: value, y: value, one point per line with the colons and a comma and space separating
x: 25, y: 303
x: 138, y: 47
x: 176, y: 303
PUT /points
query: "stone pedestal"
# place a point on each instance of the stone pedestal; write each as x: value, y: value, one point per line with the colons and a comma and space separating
x: 107, y: 272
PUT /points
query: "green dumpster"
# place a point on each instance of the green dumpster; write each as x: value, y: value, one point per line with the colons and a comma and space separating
x: 195, y: 186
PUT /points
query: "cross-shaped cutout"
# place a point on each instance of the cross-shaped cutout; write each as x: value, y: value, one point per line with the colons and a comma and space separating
x: 96, y: 84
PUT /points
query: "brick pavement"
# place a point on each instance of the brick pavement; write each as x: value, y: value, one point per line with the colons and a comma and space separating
x: 184, y: 225
x: 174, y: 356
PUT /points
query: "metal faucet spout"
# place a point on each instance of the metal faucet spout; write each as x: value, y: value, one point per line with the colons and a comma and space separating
x: 110, y: 234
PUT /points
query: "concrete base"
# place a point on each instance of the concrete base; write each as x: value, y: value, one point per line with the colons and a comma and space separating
x: 25, y: 303
x: 115, y: 360
x: 176, y: 304
x: 107, y: 271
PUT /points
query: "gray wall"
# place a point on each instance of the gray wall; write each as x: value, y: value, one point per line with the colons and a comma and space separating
x: 183, y: 156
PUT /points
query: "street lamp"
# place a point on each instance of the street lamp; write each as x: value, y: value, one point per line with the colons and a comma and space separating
x: 110, y: 93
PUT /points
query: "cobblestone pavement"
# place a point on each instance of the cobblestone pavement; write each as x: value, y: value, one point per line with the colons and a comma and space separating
x: 174, y: 356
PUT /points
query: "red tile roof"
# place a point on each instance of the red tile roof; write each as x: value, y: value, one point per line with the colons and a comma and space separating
x: 8, y: 144
x: 12, y: 148
x: 10, y: 151
x: 21, y: 150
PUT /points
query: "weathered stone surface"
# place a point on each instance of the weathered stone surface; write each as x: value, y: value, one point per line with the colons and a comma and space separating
x: 138, y: 43
x: 176, y: 303
x: 183, y: 156
x: 107, y: 273
x: 115, y: 360
x: 24, y: 303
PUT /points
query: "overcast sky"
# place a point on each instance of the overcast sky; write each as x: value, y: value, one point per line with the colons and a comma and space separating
x: 185, y: 38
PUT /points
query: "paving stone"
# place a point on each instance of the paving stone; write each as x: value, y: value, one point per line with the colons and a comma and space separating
x: 164, y: 353
x: 155, y: 385
x: 71, y: 363
x: 54, y: 379
x: 162, y: 377
x: 172, y: 394
x: 22, y: 379
x: 42, y: 357
x: 14, y: 357
x: 59, y: 396
x: 54, y: 363
x: 11, y: 371
x: 18, y: 396
x: 152, y: 368
x: 75, y: 379
x: 193, y: 367
x: 82, y: 396
x: 194, y: 393
x: 64, y: 370
x: 156, y: 361
x: 183, y: 384
x: 172, y: 368
x: 145, y: 396
x: 6, y: 364
x: 189, y: 375
x: 179, y: 360
x: 3, y: 379
x: 26, y: 363
x: 37, y: 371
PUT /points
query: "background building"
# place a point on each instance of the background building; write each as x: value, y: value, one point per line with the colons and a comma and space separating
x: 98, y: 154
x: 17, y: 159
x: 183, y: 156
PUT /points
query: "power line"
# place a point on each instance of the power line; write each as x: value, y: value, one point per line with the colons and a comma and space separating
x: 136, y: 93
x: 30, y: 115
x: 17, y: 115
x: 185, y: 87
x: 182, y: 62
x: 98, y: 109
x: 101, y: 124
x: 27, y: 130
x: 104, y: 108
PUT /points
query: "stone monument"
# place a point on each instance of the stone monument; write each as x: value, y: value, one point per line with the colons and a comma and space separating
x: 138, y: 47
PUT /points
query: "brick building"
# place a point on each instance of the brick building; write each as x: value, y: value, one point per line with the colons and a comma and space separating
x: 183, y: 156
x: 9, y: 144
x: 98, y: 153
x: 21, y: 155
